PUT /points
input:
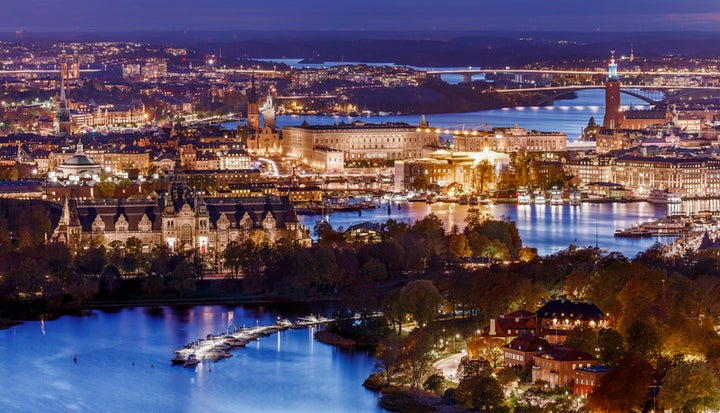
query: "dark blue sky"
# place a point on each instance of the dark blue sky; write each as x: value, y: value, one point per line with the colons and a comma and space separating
x: 523, y: 15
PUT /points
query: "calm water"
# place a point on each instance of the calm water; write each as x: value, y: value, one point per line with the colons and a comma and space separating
x: 549, y: 228
x: 288, y: 371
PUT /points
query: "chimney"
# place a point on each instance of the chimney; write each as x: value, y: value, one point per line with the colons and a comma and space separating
x: 493, y: 331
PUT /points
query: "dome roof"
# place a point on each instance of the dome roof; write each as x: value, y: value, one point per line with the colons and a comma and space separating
x: 80, y: 160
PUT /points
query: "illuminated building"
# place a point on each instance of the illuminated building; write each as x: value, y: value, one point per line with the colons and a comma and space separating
x: 612, y: 118
x: 508, y: 140
x: 359, y: 141
x: 182, y: 220
x: 63, y: 123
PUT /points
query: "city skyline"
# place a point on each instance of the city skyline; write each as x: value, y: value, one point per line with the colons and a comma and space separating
x: 83, y: 16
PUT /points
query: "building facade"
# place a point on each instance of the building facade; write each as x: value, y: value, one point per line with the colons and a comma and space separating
x: 182, y: 220
x: 506, y: 140
x: 557, y: 368
x: 358, y: 141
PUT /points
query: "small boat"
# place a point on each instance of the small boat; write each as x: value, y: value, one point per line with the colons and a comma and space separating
x: 474, y: 200
x: 575, y: 198
x: 283, y: 323
x: 524, y: 198
x: 540, y: 199
x: 178, y: 359
x: 191, y: 361
x: 556, y: 197
x: 463, y: 200
x: 430, y: 199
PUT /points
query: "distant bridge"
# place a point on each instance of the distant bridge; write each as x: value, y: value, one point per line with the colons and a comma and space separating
x: 562, y: 90
x: 260, y: 72
x: 306, y: 96
x: 469, y: 72
x: 42, y: 71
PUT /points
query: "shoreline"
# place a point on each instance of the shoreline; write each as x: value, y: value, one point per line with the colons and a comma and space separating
x: 16, y: 316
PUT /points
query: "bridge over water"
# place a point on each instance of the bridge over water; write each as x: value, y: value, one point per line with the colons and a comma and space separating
x: 631, y: 90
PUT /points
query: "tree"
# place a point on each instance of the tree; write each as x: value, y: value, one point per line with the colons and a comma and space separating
x: 394, y: 310
x: 375, y: 269
x: 91, y: 260
x: 421, y: 299
x: 488, y: 349
x: 416, y: 358
x: 233, y: 257
x: 624, y: 387
x: 690, y: 387
x: 326, y: 235
x: 481, y: 392
x: 153, y: 284
x: 104, y: 189
x: 643, y: 338
x: 612, y: 346
x: 583, y: 338
x: 483, y: 175
x: 388, y: 357
x: 421, y: 183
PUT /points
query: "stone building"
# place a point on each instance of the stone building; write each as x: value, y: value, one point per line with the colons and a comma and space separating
x: 183, y: 220
x: 359, y: 141
x: 507, y: 140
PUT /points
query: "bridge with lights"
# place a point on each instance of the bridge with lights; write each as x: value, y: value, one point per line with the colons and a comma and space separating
x: 41, y: 71
x: 631, y: 90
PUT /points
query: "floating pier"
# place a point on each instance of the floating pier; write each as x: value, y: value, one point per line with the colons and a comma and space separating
x: 218, y: 346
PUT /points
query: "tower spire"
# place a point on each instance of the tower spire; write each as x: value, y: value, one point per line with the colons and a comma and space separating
x: 612, y: 67
x: 62, y: 91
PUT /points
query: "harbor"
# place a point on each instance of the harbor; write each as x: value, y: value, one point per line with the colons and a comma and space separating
x: 215, y: 347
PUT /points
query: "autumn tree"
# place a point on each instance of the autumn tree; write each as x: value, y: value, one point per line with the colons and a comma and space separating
x: 624, y: 387
x: 421, y: 299
x: 416, y: 358
x: 690, y: 387
x: 488, y: 349
x: 483, y: 174
x: 388, y: 357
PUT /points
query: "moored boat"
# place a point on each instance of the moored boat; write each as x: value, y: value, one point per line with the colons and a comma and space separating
x: 663, y: 196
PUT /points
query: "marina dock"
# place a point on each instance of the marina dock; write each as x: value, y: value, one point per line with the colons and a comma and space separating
x: 218, y: 346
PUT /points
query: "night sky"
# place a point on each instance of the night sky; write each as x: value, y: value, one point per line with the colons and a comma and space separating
x: 415, y: 15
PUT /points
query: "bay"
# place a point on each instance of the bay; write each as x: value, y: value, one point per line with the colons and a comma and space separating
x: 123, y: 365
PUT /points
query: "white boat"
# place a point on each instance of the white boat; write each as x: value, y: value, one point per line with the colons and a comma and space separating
x: 540, y: 199
x: 575, y: 198
x: 556, y: 197
x: 663, y: 196
x: 524, y: 198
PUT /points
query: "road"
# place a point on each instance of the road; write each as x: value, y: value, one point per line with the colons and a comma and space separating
x: 449, y: 365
